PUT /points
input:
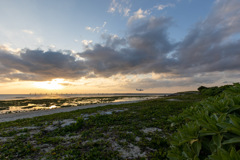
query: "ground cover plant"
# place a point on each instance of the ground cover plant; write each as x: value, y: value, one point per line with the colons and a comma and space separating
x: 210, y: 129
x: 128, y: 131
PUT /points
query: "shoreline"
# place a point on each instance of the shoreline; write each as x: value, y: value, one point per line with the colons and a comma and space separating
x: 10, y: 97
x: 37, y: 113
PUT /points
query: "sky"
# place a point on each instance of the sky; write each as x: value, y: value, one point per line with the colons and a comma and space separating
x: 118, y: 46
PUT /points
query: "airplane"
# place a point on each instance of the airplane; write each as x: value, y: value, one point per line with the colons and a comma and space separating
x: 139, y: 89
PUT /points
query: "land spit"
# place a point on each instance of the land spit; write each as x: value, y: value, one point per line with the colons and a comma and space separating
x: 31, y: 114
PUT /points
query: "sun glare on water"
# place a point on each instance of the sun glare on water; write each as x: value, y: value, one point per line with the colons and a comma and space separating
x: 55, y: 84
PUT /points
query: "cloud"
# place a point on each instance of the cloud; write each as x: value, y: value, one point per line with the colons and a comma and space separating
x: 52, y: 46
x: 86, y: 42
x: 161, y: 6
x: 139, y: 14
x: 149, y: 83
x: 115, y: 56
x: 113, y: 41
x: 40, y: 65
x: 207, y: 53
x: 120, y: 6
x: 28, y: 31
x: 96, y: 29
x: 144, y: 50
x: 208, y: 46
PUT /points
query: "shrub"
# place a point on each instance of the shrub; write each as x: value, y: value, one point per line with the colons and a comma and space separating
x: 213, y: 91
x: 211, y: 130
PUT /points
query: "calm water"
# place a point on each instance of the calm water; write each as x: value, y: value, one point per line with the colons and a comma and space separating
x: 25, y: 103
x: 55, y: 96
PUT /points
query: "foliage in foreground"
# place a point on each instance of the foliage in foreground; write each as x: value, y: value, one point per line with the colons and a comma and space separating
x: 213, y: 91
x: 211, y: 130
x: 98, y: 136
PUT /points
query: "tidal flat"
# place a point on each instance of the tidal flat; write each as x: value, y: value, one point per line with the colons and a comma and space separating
x: 27, y: 105
x: 128, y: 131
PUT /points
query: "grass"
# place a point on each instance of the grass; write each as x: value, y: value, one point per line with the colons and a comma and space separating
x: 130, y: 131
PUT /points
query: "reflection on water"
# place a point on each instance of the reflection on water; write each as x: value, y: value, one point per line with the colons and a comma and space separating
x: 15, y: 106
x: 133, y: 99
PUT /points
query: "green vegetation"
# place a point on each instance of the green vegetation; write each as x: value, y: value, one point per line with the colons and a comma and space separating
x: 130, y: 131
x: 182, y: 126
x: 213, y: 91
x: 211, y: 128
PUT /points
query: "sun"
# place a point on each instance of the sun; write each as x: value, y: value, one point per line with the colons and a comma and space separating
x: 55, y: 84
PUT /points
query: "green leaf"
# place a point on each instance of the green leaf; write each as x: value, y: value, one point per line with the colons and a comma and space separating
x: 217, y: 140
x: 222, y: 118
x: 195, y: 157
x: 234, y: 155
x: 232, y: 140
x: 235, y: 120
x: 234, y: 130
x: 223, y: 154
x: 234, y: 108
x: 197, y: 147
x: 224, y: 125
x: 203, y: 133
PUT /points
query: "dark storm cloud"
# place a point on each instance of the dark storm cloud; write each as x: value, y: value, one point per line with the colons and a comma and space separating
x: 210, y: 46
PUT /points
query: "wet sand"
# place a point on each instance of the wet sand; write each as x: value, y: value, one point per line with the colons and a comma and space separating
x: 31, y: 114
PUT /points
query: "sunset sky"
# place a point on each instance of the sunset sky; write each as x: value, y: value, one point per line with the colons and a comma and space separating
x: 116, y: 46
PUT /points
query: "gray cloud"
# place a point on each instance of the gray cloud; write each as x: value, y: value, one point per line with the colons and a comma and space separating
x: 197, y: 80
x: 141, y: 51
x: 207, y: 48
x: 144, y: 50
x: 39, y: 65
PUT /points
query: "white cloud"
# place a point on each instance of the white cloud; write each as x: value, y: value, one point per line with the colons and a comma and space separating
x: 120, y: 6
x: 39, y: 40
x: 88, y: 28
x: 28, y: 31
x: 161, y: 6
x: 75, y: 40
x: 113, y: 6
x: 8, y: 47
x: 126, y: 11
x: 96, y: 29
x: 86, y: 42
x: 104, y: 24
x: 52, y: 46
x: 138, y: 15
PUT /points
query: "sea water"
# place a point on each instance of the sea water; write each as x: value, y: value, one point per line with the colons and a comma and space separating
x: 14, y: 103
x: 56, y: 96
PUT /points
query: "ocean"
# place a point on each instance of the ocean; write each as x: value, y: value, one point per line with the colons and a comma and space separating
x: 56, y: 96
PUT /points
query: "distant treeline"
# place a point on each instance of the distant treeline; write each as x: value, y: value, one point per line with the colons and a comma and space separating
x: 213, y: 91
